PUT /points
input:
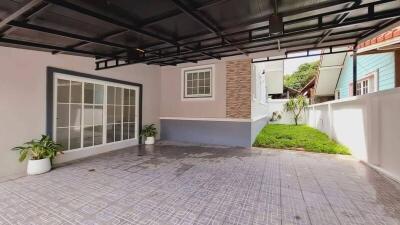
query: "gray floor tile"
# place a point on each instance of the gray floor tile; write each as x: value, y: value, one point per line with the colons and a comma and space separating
x: 203, y: 185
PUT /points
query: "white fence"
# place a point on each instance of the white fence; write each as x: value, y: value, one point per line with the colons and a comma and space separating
x: 369, y: 125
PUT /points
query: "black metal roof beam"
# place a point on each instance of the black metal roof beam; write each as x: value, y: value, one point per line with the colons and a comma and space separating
x: 119, y: 23
x: 297, y: 44
x: 272, y: 46
x: 339, y: 11
x: 170, y: 60
x: 172, y: 13
x: 381, y: 26
x: 306, y: 9
x: 383, y: 15
x: 290, y: 22
x: 78, y: 37
x: 323, y: 26
x: 292, y: 51
x: 312, y: 7
x: 211, y: 3
x: 340, y: 19
x: 202, y: 21
x: 162, y: 64
x: 262, y: 38
x: 112, y: 34
x: 305, y: 30
x: 65, y: 34
x: 302, y: 56
x: 260, y: 19
x: 30, y: 5
x: 26, y: 16
x: 74, y: 36
x: 298, y: 50
x: 83, y: 43
x: 290, y: 41
x: 49, y: 47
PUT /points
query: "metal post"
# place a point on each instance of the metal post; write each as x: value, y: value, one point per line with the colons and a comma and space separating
x: 354, y: 71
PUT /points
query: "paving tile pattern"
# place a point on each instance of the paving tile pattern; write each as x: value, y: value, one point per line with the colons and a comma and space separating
x: 170, y: 184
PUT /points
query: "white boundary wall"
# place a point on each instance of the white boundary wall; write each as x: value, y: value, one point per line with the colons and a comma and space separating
x: 277, y: 105
x: 369, y: 125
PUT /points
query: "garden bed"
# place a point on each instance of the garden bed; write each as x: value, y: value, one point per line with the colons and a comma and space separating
x: 301, y: 137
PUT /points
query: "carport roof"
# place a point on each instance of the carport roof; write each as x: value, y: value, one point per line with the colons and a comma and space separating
x: 169, y: 32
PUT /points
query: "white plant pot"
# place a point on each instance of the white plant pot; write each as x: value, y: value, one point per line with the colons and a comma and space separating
x: 149, y: 141
x: 38, y: 166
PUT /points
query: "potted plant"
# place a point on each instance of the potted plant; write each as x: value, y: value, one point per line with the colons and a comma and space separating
x: 40, y: 154
x: 149, y: 132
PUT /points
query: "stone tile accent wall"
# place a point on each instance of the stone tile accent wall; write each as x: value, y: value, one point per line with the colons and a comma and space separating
x: 238, y: 89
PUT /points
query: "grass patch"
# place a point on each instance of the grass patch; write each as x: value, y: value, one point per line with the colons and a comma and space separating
x: 299, y: 137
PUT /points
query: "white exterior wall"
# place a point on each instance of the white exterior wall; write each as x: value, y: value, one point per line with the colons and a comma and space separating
x: 23, y: 99
x: 259, y: 107
x: 277, y: 105
x: 368, y: 125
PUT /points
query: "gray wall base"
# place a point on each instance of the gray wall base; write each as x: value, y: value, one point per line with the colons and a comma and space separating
x: 207, y: 132
x: 212, y: 132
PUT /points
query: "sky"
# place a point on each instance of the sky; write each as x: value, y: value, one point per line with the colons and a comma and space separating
x: 291, y: 65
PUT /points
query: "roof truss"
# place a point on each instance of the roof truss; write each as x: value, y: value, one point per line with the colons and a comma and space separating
x: 353, y: 21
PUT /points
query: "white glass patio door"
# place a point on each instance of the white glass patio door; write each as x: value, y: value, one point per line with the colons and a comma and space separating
x: 91, y: 112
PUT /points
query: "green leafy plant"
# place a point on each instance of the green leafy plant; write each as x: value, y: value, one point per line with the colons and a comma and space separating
x: 296, y: 106
x: 37, y: 149
x: 149, y: 131
x: 304, y: 74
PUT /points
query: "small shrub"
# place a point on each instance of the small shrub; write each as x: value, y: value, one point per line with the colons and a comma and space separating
x: 296, y: 106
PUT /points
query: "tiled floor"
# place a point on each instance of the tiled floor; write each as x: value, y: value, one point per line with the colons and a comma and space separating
x: 203, y: 185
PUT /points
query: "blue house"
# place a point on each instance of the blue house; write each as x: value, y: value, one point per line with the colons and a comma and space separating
x: 375, y: 72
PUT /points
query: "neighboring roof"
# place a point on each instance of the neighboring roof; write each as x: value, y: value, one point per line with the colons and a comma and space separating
x: 382, y: 38
x: 324, y: 82
x: 291, y: 89
x: 169, y: 32
x: 328, y: 74
x: 308, y: 86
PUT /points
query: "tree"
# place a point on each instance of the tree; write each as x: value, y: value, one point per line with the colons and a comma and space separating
x: 301, y: 76
x: 296, y: 106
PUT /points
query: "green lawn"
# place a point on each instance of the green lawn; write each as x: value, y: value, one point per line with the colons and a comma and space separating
x: 299, y: 137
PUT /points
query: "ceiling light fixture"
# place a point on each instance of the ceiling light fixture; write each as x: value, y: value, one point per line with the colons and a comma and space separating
x: 275, y: 21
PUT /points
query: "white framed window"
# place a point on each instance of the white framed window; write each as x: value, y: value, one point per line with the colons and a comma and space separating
x: 198, y: 83
x: 90, y: 112
x: 366, y: 85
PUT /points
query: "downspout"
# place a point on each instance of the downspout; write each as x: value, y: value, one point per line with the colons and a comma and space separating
x: 355, y: 70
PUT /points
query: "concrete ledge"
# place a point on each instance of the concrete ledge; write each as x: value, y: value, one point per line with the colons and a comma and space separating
x: 257, y: 126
